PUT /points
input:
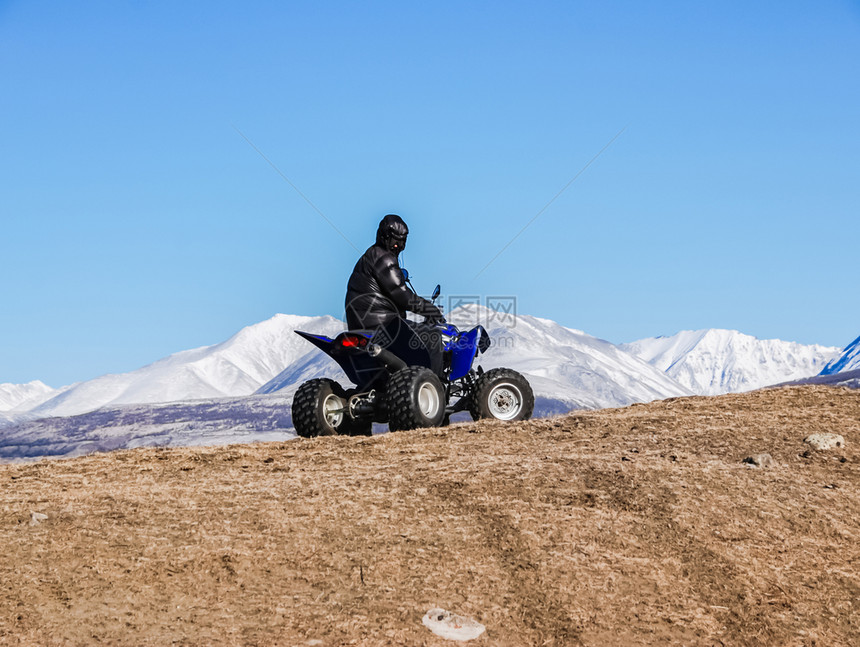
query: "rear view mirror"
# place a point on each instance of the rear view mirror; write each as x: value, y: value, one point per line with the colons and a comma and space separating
x: 436, y: 292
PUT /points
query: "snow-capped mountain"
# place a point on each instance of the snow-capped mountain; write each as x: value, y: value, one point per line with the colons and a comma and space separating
x: 203, y: 396
x: 567, y: 364
x: 566, y: 368
x: 236, y: 367
x: 24, y: 396
x: 712, y: 362
x: 848, y: 360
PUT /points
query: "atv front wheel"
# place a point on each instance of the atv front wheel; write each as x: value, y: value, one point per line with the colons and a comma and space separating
x: 318, y: 408
x: 416, y: 398
x: 503, y: 394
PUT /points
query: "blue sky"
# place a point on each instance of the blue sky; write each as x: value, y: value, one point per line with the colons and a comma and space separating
x: 137, y: 221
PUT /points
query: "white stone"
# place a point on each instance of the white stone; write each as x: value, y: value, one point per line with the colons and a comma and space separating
x: 37, y: 517
x: 451, y: 626
x: 825, y: 441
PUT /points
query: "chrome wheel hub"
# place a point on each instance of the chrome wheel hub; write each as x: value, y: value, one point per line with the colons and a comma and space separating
x: 505, y: 401
x: 333, y: 410
x: 428, y: 400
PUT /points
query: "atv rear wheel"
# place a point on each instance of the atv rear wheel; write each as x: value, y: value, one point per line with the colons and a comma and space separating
x: 416, y: 398
x: 502, y: 394
x: 318, y: 408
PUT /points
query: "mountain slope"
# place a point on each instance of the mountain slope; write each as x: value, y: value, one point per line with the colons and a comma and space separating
x: 848, y: 360
x: 848, y: 379
x: 712, y: 362
x: 238, y: 366
x: 173, y: 424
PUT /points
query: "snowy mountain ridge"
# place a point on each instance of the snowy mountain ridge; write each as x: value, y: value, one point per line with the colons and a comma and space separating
x: 563, y: 365
x: 848, y: 360
x: 241, y: 390
x: 567, y: 367
x: 236, y: 367
x: 566, y: 363
x: 23, y: 396
x: 716, y: 361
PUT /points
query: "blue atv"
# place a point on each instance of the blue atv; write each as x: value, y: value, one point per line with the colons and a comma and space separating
x: 409, y: 375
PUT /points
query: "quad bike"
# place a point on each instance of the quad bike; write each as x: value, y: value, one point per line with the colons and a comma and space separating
x: 408, y: 375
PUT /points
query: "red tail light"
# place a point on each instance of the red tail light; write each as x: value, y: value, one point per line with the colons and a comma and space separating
x: 353, y: 341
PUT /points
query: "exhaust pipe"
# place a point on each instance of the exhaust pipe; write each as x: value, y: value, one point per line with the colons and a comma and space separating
x: 389, y: 359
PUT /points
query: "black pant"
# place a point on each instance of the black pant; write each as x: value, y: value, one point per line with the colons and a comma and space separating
x: 431, y: 339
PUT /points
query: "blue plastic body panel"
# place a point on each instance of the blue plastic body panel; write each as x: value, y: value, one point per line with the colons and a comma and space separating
x: 463, y: 351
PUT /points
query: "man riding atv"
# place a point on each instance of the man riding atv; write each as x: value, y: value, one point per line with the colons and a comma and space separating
x: 406, y: 374
x: 377, y: 291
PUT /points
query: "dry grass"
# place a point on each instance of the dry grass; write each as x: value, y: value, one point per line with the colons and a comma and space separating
x: 635, y: 526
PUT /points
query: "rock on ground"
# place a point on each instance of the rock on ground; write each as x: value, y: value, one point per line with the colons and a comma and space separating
x: 825, y: 441
x: 760, y: 460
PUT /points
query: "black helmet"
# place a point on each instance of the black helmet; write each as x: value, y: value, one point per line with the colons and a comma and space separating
x: 392, y: 233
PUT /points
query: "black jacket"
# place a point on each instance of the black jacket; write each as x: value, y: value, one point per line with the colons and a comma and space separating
x: 377, y: 291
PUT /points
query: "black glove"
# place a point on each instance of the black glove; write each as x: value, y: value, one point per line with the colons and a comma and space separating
x: 433, y: 314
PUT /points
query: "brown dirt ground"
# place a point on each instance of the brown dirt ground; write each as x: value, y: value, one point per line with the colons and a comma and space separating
x: 634, y: 526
